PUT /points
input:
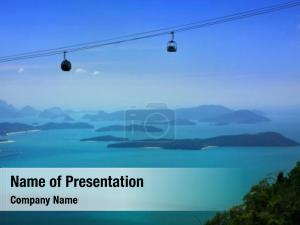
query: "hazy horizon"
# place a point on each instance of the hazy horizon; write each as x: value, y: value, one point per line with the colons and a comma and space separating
x: 295, y: 108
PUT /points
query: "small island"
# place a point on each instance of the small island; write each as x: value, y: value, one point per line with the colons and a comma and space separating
x: 6, y: 128
x: 240, y: 117
x: 10, y: 128
x: 131, y: 128
x: 266, y: 139
x: 177, y: 122
x: 57, y: 126
x: 107, y: 138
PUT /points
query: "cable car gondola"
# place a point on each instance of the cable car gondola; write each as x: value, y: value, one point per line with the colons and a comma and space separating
x: 172, y: 46
x: 66, y: 64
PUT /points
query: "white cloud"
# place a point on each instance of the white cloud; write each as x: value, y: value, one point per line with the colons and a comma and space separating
x: 20, y: 70
x: 80, y: 70
x: 96, y: 72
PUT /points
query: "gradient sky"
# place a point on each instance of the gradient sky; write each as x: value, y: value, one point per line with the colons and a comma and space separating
x: 252, y: 63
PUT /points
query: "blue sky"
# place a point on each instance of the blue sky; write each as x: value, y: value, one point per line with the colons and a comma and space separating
x: 251, y: 63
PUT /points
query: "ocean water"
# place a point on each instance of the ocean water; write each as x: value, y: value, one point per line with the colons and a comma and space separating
x: 62, y: 148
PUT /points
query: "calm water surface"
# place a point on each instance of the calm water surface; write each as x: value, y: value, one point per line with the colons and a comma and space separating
x: 62, y: 148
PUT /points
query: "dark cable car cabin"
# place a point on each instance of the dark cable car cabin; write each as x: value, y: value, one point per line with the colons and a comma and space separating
x: 172, y: 46
x: 66, y: 64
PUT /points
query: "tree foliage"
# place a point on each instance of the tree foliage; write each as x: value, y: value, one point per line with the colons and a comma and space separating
x: 267, y: 203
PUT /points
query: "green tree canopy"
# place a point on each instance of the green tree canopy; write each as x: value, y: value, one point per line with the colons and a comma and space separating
x: 267, y: 203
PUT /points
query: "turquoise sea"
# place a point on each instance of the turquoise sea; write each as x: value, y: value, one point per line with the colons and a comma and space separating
x: 62, y: 148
